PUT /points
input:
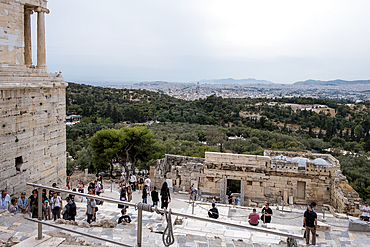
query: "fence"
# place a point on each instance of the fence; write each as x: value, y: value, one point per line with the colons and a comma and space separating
x: 167, y: 240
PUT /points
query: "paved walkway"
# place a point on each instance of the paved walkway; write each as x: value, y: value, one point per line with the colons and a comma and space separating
x: 191, y: 232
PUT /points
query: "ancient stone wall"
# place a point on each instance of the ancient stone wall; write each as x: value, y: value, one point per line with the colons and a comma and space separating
x: 265, y: 178
x: 183, y: 171
x: 32, y: 103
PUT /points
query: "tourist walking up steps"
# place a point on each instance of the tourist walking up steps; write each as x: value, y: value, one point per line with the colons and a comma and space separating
x: 69, y: 210
x: 154, y: 195
x: 145, y: 194
x: 56, y: 205
x: 165, y: 196
x: 91, y: 205
x: 310, y: 222
x: 133, y: 182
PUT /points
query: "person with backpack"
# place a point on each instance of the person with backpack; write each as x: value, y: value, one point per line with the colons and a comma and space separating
x: 69, y: 210
x: 141, y: 183
x: 91, y: 208
x: 310, y: 222
x: 123, y: 196
x: 56, y: 205
x: 165, y: 195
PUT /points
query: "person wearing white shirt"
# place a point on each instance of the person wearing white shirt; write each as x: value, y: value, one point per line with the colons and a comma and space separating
x: 56, y: 205
x: 133, y: 181
x: 365, y: 212
x: 148, y: 182
x: 4, y: 200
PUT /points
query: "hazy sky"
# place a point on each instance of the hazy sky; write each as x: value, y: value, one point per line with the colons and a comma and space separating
x: 281, y: 41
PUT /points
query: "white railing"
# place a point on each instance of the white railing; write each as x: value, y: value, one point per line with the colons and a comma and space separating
x: 146, y: 207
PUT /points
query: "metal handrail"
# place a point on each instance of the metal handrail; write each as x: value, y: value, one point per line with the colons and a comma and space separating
x: 79, y: 232
x: 152, y: 209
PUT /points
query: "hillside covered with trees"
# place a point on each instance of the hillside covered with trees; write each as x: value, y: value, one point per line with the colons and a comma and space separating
x: 229, y: 125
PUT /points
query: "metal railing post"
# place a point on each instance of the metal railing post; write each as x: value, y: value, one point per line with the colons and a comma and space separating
x: 39, y: 212
x: 192, y: 211
x: 139, y: 226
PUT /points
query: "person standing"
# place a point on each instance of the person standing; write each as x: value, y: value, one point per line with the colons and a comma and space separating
x: 56, y: 205
x: 23, y: 203
x: 213, y: 212
x: 81, y: 189
x: 165, y: 195
x: 310, y: 222
x: 97, y: 187
x: 365, y: 212
x: 4, y: 200
x: 148, y: 182
x: 253, y: 218
x: 266, y: 213
x: 47, y: 210
x: 141, y: 183
x: 129, y: 194
x: 145, y: 194
x: 35, y: 208
x: 67, y: 183
x: 122, y: 180
x: 90, y: 211
x: 51, y: 192
x: 31, y: 199
x: 154, y: 195
x: 69, y: 210
x: 133, y: 182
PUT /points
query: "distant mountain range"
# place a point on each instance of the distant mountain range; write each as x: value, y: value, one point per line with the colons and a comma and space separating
x: 332, y: 82
x: 236, y: 81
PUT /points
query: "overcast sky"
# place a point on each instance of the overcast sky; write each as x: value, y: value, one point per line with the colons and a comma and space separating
x: 282, y: 41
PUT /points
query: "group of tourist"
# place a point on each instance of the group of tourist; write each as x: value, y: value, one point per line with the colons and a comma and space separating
x: 52, y: 204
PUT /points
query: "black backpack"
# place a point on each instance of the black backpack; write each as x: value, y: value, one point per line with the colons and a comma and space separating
x: 310, y: 218
x: 72, y: 209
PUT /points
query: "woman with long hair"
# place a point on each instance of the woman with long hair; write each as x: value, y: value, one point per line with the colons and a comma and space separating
x: 165, y: 195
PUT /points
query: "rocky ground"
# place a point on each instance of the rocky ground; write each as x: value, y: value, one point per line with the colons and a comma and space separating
x: 187, y: 232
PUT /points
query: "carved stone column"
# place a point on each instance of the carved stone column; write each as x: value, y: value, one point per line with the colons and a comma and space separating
x: 41, y: 49
x: 27, y: 37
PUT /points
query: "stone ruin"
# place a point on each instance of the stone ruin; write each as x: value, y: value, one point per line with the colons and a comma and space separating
x: 277, y: 177
x: 32, y: 130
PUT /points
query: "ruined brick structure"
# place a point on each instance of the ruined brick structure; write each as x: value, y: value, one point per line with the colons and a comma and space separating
x: 32, y: 102
x: 278, y: 176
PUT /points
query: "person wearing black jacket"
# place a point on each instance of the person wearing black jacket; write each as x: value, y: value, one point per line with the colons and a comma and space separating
x: 154, y: 195
x: 165, y: 195
x: 213, y: 212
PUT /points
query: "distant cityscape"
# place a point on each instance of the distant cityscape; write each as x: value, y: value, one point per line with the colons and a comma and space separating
x: 193, y: 91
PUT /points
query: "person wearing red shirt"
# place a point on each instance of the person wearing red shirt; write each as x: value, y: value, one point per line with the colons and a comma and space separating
x: 253, y: 218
